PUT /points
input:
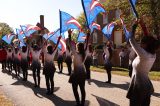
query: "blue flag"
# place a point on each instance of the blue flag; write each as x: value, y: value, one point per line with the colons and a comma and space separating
x: 91, y: 9
x: 28, y: 30
x: 20, y: 34
x: 94, y: 26
x: 68, y: 22
x: 81, y: 37
x: 54, y: 38
x: 126, y: 32
x: 8, y: 38
x: 46, y: 36
x: 107, y: 30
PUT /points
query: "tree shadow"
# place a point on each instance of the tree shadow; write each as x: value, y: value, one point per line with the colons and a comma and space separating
x: 156, y: 94
x: 41, y: 92
x: 112, y: 85
x: 104, y: 102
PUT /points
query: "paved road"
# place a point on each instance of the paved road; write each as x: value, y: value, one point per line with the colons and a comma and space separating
x: 98, y: 92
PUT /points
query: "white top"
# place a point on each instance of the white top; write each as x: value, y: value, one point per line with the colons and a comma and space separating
x: 105, y: 49
x: 77, y: 59
x: 24, y: 54
x: 16, y: 56
x: 95, y: 55
x: 49, y: 57
x: 132, y: 55
x: 9, y: 54
x: 143, y: 63
x: 36, y: 55
x: 122, y: 54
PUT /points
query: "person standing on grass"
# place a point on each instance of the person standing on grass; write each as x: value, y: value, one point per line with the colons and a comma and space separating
x: 107, y: 55
x: 122, y: 57
x: 141, y: 88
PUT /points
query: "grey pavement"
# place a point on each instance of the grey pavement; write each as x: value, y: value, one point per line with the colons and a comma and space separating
x: 98, y: 93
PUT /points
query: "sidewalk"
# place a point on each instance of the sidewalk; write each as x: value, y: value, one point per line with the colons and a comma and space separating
x: 98, y: 93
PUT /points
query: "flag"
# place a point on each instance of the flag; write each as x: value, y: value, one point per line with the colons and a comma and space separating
x: 20, y: 34
x: 68, y: 22
x: 22, y: 44
x: 107, y: 30
x: 63, y: 45
x: 28, y: 30
x: 55, y: 36
x: 133, y: 3
x: 126, y: 32
x: 8, y: 38
x: 46, y: 36
x: 81, y: 37
x: 91, y: 9
x: 94, y: 26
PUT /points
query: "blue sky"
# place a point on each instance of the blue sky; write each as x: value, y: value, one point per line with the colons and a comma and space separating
x: 19, y: 12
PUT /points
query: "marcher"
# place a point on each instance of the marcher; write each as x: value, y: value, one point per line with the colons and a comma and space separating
x: 36, y: 65
x: 24, y: 62
x: 132, y: 56
x: 60, y: 61
x: 78, y: 76
x: 3, y: 57
x: 68, y: 59
x: 49, y: 67
x: 141, y: 88
x: 10, y: 59
x: 88, y: 61
x: 16, y: 61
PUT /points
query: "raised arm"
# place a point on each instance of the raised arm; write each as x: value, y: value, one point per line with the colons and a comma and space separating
x: 138, y: 50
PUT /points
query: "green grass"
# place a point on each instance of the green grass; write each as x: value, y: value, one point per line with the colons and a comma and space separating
x: 154, y: 75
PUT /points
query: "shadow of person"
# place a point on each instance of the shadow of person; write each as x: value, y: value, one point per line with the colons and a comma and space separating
x: 124, y: 86
x: 156, y: 94
x: 100, y: 83
x: 10, y: 73
x: 41, y: 92
x: 104, y: 102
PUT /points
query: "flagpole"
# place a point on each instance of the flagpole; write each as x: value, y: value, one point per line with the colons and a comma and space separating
x: 85, y: 13
x: 60, y: 21
x: 133, y: 7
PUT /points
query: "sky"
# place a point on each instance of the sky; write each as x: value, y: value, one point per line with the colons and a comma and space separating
x: 20, y: 12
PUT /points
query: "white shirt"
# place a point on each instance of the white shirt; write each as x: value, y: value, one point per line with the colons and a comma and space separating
x: 24, y: 54
x: 143, y: 63
x: 35, y: 55
x: 49, y: 57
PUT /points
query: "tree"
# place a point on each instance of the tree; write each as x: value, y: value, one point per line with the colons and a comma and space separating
x: 81, y: 19
x: 148, y: 9
x: 5, y: 29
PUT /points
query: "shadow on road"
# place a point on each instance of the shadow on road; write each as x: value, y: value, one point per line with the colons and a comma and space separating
x: 104, y: 102
x: 156, y: 94
x: 41, y: 92
x: 112, y: 85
